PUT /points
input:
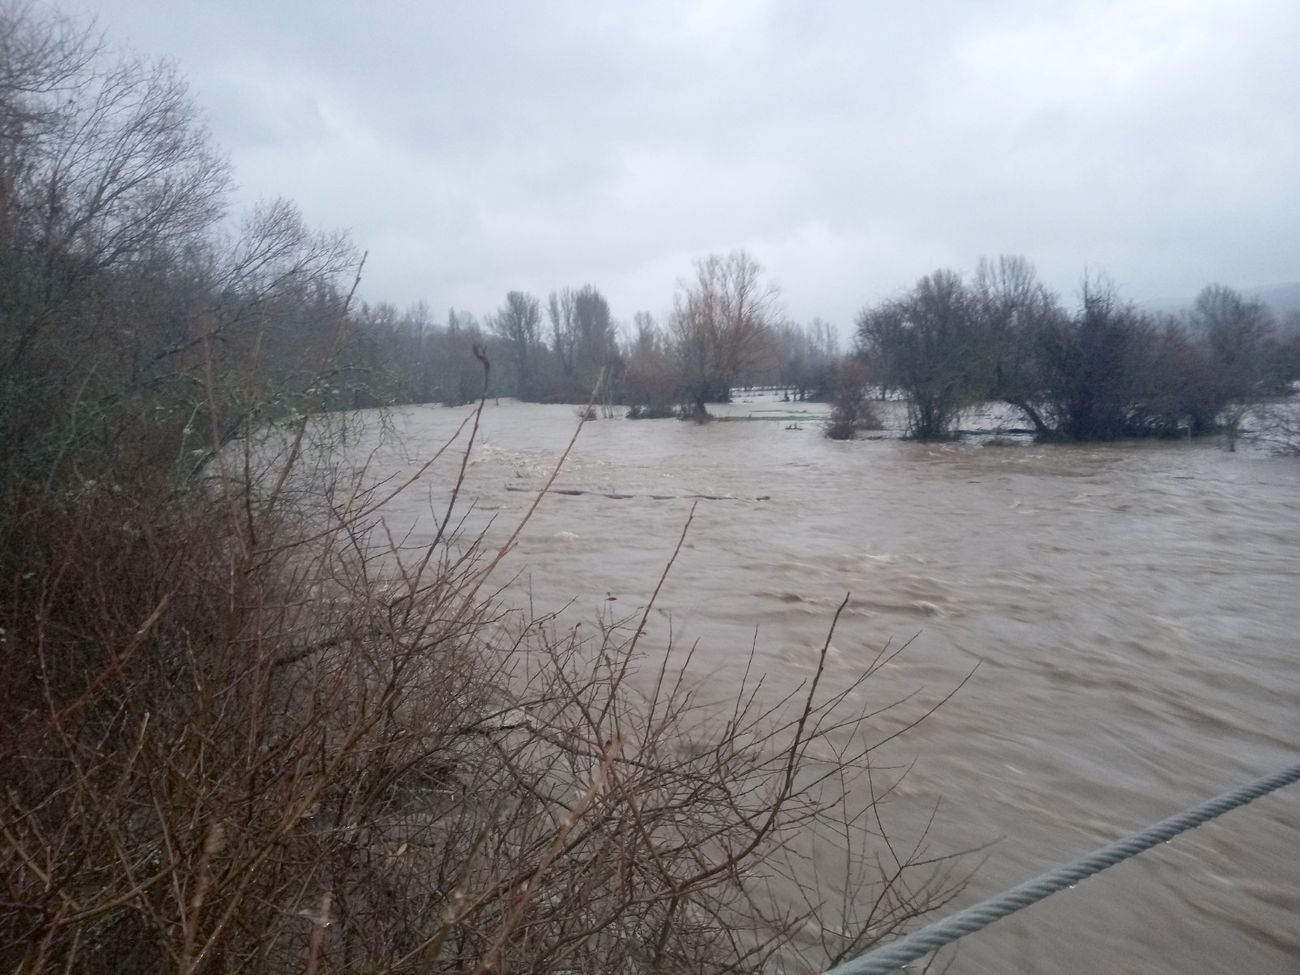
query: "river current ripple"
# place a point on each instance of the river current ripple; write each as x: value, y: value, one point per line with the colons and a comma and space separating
x: 1134, y: 609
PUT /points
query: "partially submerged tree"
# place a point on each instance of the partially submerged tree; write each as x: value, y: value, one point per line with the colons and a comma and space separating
x: 803, y: 358
x: 1014, y: 310
x: 457, y: 367
x: 1276, y: 427
x: 927, y: 344
x: 850, y: 409
x: 519, y: 324
x: 1088, y: 381
x: 1110, y: 372
x: 720, y: 323
x: 650, y: 381
x: 1242, y: 338
x: 584, y: 342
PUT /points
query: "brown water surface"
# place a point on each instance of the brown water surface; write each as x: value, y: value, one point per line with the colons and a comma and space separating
x: 1135, y: 610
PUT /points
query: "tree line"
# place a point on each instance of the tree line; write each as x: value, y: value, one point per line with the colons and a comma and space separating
x: 725, y: 329
x: 1102, y: 371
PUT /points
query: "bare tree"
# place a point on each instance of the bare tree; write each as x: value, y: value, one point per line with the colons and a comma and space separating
x: 1242, y: 339
x: 596, y: 344
x: 519, y: 324
x: 1013, y: 309
x: 559, y: 310
x: 458, y: 376
x: 44, y: 59
x: 719, y: 324
x: 804, y: 358
x: 926, y: 343
x: 39, y: 54
x: 583, y: 339
x: 100, y: 165
x: 650, y: 378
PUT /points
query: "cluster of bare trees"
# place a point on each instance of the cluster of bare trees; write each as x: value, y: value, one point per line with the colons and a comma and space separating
x: 1102, y: 372
x: 726, y: 329
x: 120, y: 297
x: 1105, y: 370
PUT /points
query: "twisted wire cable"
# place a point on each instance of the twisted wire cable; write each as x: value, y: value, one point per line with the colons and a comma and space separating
x: 934, y: 936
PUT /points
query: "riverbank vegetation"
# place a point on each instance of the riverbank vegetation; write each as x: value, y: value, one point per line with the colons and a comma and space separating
x: 1102, y: 372
x: 247, y: 730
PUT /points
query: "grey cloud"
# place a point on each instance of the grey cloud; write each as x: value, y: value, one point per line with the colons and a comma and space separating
x: 475, y: 148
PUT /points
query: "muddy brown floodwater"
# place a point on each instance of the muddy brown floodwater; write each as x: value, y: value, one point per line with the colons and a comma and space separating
x: 1135, y: 608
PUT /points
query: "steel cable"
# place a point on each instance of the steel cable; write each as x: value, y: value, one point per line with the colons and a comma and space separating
x: 934, y: 936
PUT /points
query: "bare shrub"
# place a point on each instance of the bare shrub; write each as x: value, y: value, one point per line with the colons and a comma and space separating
x: 658, y: 412
x: 851, y: 411
x: 650, y: 382
x: 304, y: 744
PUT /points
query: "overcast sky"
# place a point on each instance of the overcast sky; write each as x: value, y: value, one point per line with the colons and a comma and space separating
x: 475, y: 148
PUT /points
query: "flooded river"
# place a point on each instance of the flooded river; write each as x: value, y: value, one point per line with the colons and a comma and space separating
x: 1135, y: 610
